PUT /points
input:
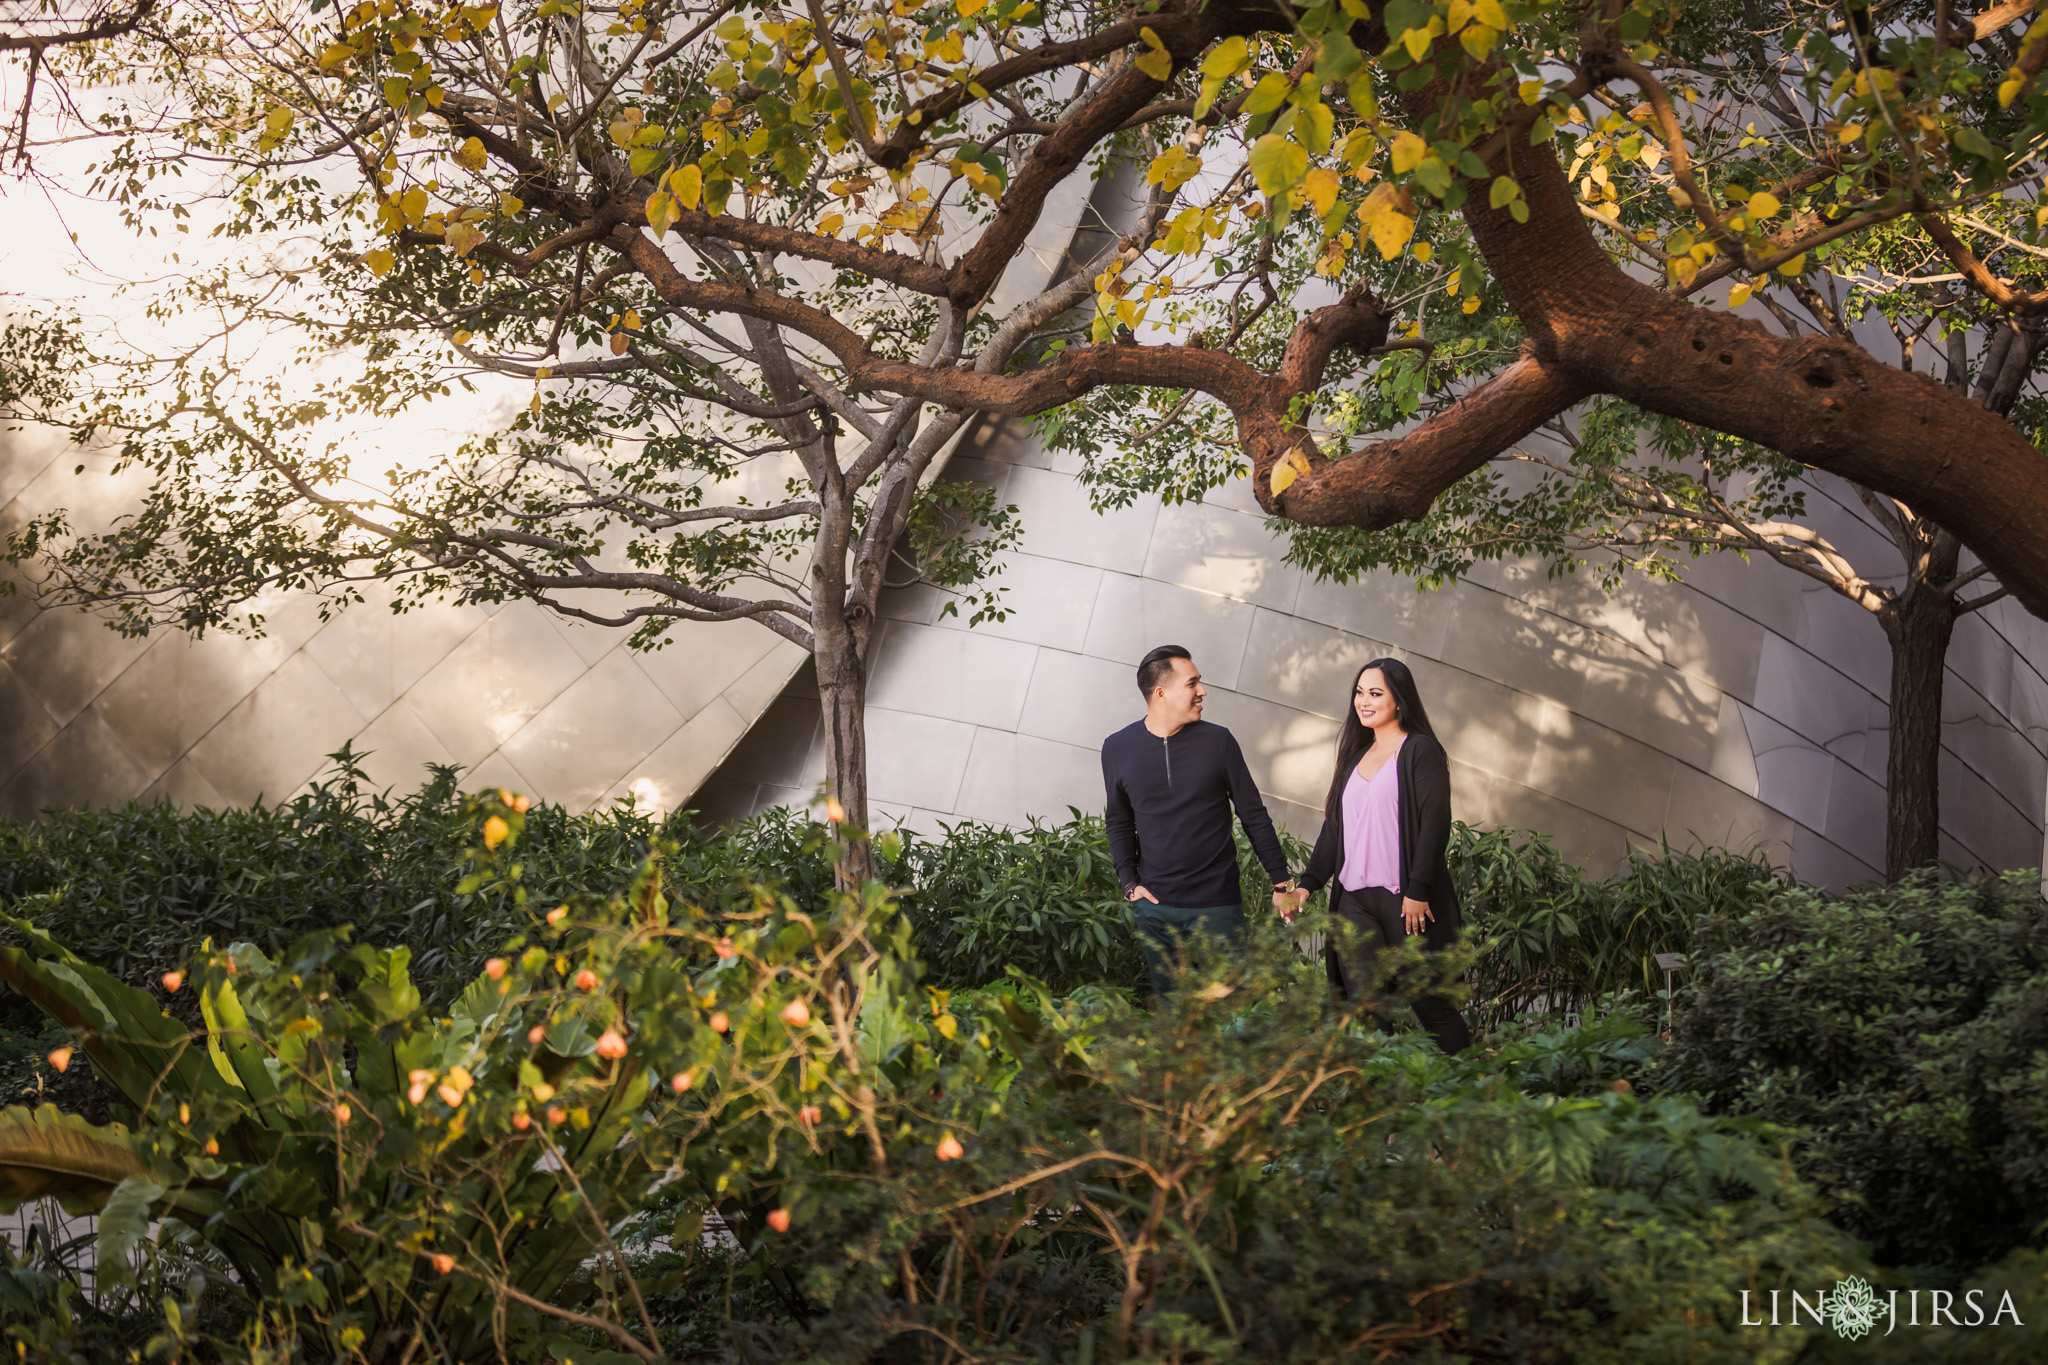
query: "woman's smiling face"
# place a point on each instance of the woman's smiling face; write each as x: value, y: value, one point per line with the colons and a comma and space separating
x: 1373, y: 701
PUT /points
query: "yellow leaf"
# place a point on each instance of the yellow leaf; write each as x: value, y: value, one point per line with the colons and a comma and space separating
x: 1471, y: 304
x: 829, y: 225
x: 632, y: 319
x: 1490, y: 13
x: 1422, y: 252
x: 969, y: 8
x: 1290, y: 468
x: 471, y: 154
x: 1762, y: 206
x: 379, y: 261
x: 511, y: 205
x: 495, y: 831
x: 1417, y: 40
x: 1460, y: 15
x: 1227, y: 58
x: 1157, y: 61
x: 1408, y: 152
x: 2008, y: 91
x: 1851, y: 131
x: 619, y: 343
x: 462, y: 238
x: 1321, y: 187
x: 687, y: 184
x: 1793, y: 266
x: 276, y: 124
x: 1390, y: 228
x: 1739, y: 295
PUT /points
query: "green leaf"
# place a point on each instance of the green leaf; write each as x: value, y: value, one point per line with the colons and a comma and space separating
x: 1433, y: 175
x: 1968, y: 139
x: 1277, y: 164
x: 124, y: 1222
x: 1269, y: 94
x: 386, y: 995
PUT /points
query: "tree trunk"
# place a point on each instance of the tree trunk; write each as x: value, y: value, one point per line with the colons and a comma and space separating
x: 843, y: 697
x: 1918, y: 623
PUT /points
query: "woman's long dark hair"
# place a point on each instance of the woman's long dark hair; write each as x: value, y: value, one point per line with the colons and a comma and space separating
x: 1356, y: 737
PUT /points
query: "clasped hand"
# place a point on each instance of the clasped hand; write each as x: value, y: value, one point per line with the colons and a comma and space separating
x: 1288, y: 900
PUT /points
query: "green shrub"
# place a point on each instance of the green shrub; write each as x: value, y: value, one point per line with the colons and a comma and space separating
x: 1556, y: 940
x: 1904, y: 1031
x: 886, y: 1171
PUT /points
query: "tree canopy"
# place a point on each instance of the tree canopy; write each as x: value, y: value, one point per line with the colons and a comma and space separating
x: 1376, y: 247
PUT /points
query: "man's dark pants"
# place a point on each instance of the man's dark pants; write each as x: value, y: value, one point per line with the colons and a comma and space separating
x: 1166, y: 931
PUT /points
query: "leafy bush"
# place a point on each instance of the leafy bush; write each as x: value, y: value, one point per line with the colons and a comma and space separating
x: 137, y: 888
x: 1556, y: 941
x: 1044, y: 900
x: 1904, y: 1031
x: 883, y: 1170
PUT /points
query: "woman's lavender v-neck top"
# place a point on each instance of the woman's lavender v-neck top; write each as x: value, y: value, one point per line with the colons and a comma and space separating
x: 1372, y: 831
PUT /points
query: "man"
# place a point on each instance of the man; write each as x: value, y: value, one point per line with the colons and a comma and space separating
x: 1172, y: 779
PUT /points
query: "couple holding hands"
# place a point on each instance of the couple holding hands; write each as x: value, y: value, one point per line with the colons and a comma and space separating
x: 1174, y: 778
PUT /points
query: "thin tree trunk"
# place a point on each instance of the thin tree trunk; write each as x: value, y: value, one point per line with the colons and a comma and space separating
x: 843, y: 696
x: 1918, y: 623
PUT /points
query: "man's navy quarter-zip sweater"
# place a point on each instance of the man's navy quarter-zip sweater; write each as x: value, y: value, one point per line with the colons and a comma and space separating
x: 1169, y: 814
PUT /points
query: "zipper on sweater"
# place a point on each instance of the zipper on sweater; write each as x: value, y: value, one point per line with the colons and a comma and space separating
x: 1167, y: 748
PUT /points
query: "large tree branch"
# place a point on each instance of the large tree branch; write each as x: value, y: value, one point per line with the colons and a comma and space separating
x: 1396, y: 479
x: 1822, y: 401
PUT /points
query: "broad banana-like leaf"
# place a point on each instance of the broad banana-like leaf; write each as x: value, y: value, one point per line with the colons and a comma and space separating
x: 44, y: 1152
x: 136, y: 1046
x: 237, y: 1054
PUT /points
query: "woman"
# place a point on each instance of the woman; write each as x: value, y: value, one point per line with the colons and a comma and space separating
x: 1386, y: 827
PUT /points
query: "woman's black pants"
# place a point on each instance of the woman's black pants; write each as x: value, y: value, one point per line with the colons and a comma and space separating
x: 1375, y: 915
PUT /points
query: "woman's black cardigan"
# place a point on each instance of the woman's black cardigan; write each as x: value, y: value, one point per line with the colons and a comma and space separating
x: 1424, y: 771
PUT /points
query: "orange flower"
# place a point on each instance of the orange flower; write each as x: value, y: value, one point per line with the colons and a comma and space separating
x: 779, y: 1220
x: 173, y: 980
x: 723, y: 947
x: 495, y: 969
x: 679, y: 1082
x: 719, y: 1023
x: 556, y: 1113
x: 611, y: 1045
x: 342, y: 1113
x: 835, y: 812
x: 61, y: 1058
x: 418, y: 1081
x: 586, y: 980
x: 522, y: 1121
x: 558, y: 914
x: 212, y: 1147
x: 536, y: 1033
x: 443, y: 1262
x: 950, y: 1148
x: 796, y: 1014
x: 810, y: 1114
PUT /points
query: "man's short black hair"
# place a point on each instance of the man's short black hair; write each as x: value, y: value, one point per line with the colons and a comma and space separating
x: 1157, y: 666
